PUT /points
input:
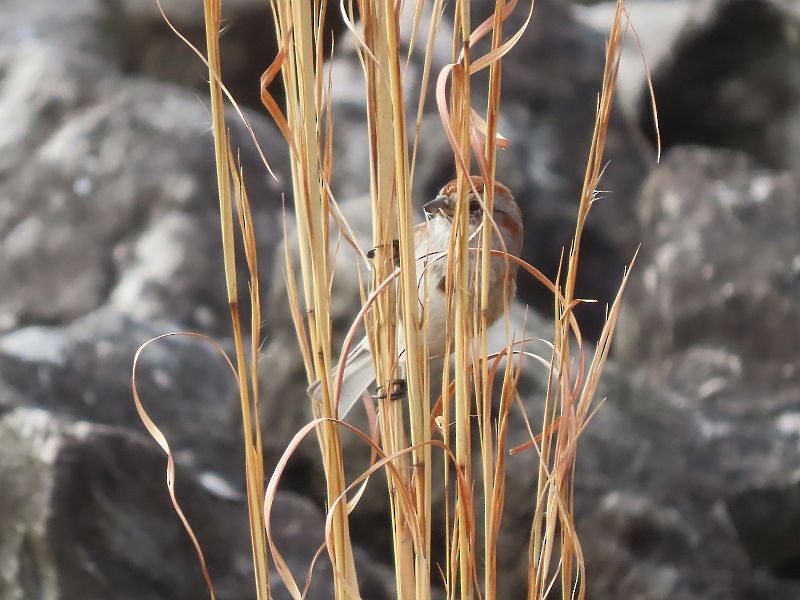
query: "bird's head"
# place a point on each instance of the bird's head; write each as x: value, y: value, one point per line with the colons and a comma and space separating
x: 506, y: 212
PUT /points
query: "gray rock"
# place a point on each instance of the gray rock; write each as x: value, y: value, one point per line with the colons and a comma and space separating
x: 685, y: 481
x: 83, y: 372
x: 32, y: 110
x: 747, y: 414
x: 672, y: 499
x: 132, y: 36
x: 764, y: 517
x: 658, y: 25
x: 719, y: 265
x: 80, y: 26
x: 145, y: 45
x: 747, y: 418
x: 733, y: 81
x: 649, y: 500
x: 684, y: 477
x: 109, y: 170
x: 85, y: 513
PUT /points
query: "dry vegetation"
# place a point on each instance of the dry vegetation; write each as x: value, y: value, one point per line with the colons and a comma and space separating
x: 402, y: 434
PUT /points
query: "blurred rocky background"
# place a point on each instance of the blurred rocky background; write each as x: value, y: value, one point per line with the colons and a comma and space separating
x: 688, y: 482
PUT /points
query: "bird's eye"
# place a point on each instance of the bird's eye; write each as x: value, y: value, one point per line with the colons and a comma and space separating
x: 474, y: 206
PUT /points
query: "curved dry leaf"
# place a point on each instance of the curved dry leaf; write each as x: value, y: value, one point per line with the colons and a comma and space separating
x: 272, y: 486
x: 269, y: 102
x: 479, y: 123
x: 269, y: 497
x: 161, y: 440
x: 499, y: 52
x: 487, y: 26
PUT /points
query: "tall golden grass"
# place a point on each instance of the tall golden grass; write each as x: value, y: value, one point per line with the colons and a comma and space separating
x: 404, y: 448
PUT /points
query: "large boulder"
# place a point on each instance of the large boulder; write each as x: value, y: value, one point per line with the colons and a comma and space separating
x: 91, y: 213
x: 685, y: 485
x: 719, y: 262
x: 678, y: 493
x: 80, y: 26
x: 145, y: 45
x: 83, y: 371
x: 707, y: 335
x: 85, y: 513
x: 132, y: 36
x: 732, y: 80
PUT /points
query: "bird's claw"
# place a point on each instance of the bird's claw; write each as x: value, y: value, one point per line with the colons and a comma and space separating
x: 398, y: 391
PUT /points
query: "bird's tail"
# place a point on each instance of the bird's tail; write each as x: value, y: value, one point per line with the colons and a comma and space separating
x: 358, y: 376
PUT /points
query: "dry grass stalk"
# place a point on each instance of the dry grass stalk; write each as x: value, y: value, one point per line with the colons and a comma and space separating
x: 463, y: 124
x: 392, y: 219
x: 492, y: 508
x: 553, y: 531
x: 298, y: 25
x: 554, y: 554
x: 228, y: 176
x: 391, y: 174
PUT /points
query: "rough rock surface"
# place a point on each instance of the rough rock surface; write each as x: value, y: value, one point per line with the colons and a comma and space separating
x: 95, y: 167
x: 78, y: 28
x: 132, y: 36
x: 733, y: 81
x: 85, y: 513
x: 83, y: 371
x: 711, y: 323
x: 145, y: 45
x: 720, y: 262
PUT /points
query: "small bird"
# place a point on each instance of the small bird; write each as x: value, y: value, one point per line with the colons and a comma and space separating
x: 431, y: 242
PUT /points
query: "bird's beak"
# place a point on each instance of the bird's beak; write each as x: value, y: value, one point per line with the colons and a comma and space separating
x: 435, y: 205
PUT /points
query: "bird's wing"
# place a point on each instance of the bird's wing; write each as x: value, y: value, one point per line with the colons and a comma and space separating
x: 357, y: 378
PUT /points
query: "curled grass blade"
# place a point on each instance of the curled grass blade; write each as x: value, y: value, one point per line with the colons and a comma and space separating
x: 161, y: 440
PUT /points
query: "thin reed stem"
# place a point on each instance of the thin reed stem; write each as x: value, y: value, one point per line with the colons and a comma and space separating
x: 301, y: 71
x: 248, y: 382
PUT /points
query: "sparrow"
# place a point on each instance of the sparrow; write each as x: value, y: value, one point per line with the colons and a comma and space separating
x: 431, y: 243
